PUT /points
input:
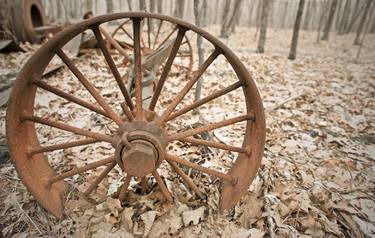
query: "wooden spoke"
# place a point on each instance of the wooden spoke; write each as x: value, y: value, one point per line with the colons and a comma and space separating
x: 137, y: 67
x: 186, y: 179
x: 100, y: 178
x: 157, y: 33
x: 70, y: 97
x: 211, y: 126
x: 127, y: 111
x: 189, y: 85
x: 115, y: 44
x: 215, y: 145
x: 127, y: 33
x: 62, y: 146
x: 149, y: 32
x: 66, y: 127
x: 227, y: 177
x: 124, y: 187
x: 168, y: 36
x: 162, y: 186
x: 82, y: 169
x: 167, y: 67
x: 205, y: 100
x: 112, y: 65
x: 91, y: 88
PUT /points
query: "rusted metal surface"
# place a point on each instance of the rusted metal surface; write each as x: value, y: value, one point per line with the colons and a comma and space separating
x: 141, y: 139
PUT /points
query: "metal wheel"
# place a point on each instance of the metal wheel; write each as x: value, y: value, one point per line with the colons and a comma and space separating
x: 157, y: 34
x: 54, y: 140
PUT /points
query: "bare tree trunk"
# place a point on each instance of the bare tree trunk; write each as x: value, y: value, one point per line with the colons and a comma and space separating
x: 307, y: 18
x: 198, y: 22
x: 322, y: 16
x: 225, y: 17
x: 263, y: 26
x: 356, y: 14
x: 109, y: 6
x: 142, y: 6
x: 297, y: 25
x: 234, y: 20
x: 338, y: 14
x: 345, y: 16
x: 258, y: 16
x: 204, y: 13
x: 130, y: 5
x: 331, y: 16
x: 160, y: 6
x: 179, y: 9
x: 366, y: 30
x: 228, y: 26
x: 362, y: 22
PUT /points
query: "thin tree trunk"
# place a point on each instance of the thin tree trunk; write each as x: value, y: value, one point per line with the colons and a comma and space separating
x: 357, y: 12
x: 198, y: 22
x: 345, y: 17
x: 366, y: 30
x: 179, y: 9
x: 204, y: 13
x: 225, y: 18
x: 263, y: 26
x: 130, y: 5
x: 322, y: 16
x: 142, y: 6
x: 329, y: 23
x: 362, y: 22
x: 297, y: 25
x: 307, y: 17
x: 109, y: 6
x: 234, y: 20
x: 258, y: 16
x: 160, y: 6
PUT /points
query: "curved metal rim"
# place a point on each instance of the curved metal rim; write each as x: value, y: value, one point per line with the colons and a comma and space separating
x: 25, y: 134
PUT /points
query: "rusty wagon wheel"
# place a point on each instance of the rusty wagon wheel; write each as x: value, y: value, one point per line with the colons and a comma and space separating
x: 156, y: 33
x: 141, y: 138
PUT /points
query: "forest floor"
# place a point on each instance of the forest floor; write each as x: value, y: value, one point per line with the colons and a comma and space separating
x: 317, y: 177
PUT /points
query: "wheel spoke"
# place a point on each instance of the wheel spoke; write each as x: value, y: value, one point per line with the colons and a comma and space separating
x: 99, y: 179
x: 157, y: 33
x: 186, y: 178
x: 82, y: 169
x: 137, y: 67
x: 168, y: 36
x: 115, y: 44
x: 149, y: 32
x: 215, y: 145
x: 162, y: 186
x: 127, y: 33
x: 69, y: 128
x: 62, y: 146
x: 227, y: 177
x: 127, y: 111
x: 189, y: 85
x: 205, y: 100
x: 167, y: 67
x: 211, y: 126
x: 91, y: 88
x: 70, y: 97
x: 112, y: 65
x: 124, y: 188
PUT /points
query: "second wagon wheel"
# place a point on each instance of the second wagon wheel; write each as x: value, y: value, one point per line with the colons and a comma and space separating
x: 156, y: 34
x: 81, y: 129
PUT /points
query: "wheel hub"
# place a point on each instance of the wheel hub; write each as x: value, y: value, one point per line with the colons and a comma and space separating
x: 140, y: 147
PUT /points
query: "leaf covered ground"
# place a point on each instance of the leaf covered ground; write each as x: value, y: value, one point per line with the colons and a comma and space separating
x: 317, y: 177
